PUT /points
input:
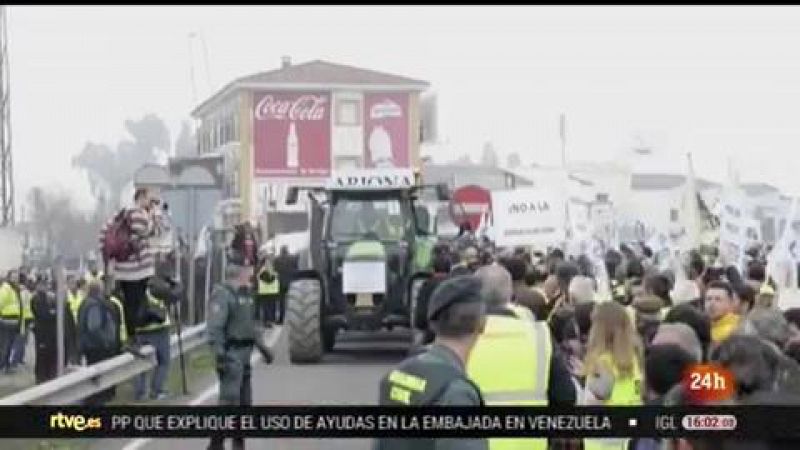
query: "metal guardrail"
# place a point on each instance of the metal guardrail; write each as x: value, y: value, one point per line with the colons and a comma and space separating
x: 88, y: 380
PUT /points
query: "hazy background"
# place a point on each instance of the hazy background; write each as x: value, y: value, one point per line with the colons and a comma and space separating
x: 718, y: 81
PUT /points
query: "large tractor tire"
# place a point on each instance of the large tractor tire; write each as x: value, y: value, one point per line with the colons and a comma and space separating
x: 304, y: 317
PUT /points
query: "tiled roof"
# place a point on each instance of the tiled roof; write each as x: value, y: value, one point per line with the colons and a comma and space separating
x: 325, y: 72
x: 316, y: 72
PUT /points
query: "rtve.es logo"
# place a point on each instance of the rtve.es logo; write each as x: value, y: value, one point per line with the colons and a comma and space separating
x: 77, y: 422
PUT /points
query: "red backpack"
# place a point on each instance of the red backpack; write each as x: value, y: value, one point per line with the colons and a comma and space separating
x: 117, y: 242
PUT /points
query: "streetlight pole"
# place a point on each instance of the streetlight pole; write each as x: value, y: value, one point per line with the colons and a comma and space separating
x: 563, y: 134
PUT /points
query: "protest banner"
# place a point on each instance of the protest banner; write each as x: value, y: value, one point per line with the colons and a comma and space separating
x: 528, y: 216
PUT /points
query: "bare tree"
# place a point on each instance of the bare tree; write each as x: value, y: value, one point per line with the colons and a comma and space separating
x: 110, y: 170
x: 58, y: 225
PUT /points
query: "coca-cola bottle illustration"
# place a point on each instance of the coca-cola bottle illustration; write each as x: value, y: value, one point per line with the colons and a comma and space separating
x: 292, y: 147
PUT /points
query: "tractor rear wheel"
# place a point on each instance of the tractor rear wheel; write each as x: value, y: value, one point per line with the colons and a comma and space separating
x: 304, y: 317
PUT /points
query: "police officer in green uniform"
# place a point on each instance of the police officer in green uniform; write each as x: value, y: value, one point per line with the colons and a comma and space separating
x: 232, y: 334
x: 456, y: 313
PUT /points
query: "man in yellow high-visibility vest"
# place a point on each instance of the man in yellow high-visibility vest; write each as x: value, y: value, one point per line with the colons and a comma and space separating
x: 514, y: 361
x: 267, y: 295
x: 10, y: 318
x: 26, y: 321
x: 156, y: 332
x: 76, y: 292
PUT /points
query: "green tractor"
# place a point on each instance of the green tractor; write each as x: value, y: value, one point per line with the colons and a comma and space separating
x: 369, y: 252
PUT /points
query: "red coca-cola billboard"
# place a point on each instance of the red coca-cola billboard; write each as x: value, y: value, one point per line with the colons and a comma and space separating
x: 470, y: 203
x: 386, y: 130
x: 292, y: 134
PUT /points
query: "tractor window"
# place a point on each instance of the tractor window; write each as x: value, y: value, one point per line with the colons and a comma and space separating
x: 353, y: 219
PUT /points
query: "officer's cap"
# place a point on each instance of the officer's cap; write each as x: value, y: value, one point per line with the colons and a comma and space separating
x: 459, y: 289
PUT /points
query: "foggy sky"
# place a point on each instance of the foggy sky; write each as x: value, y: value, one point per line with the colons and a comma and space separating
x: 717, y: 81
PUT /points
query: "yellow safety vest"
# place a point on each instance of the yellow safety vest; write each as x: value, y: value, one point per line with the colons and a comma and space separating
x: 123, y: 332
x: 74, y: 302
x: 9, y: 303
x: 157, y: 302
x: 627, y: 391
x: 27, y: 313
x: 510, y: 363
x: 268, y: 288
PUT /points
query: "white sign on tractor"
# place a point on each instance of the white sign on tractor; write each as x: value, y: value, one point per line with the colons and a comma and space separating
x: 528, y: 217
x: 372, y: 179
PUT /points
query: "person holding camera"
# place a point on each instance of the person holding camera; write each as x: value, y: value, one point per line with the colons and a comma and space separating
x: 127, y: 249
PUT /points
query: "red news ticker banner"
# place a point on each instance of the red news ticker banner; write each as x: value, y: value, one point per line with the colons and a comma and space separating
x: 386, y: 130
x: 292, y: 134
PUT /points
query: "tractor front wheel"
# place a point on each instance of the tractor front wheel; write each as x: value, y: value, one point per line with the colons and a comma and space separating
x: 304, y: 317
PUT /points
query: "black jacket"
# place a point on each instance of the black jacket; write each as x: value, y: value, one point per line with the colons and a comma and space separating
x: 285, y: 266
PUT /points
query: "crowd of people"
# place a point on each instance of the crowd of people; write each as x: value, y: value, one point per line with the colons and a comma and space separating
x: 103, y: 316
x: 526, y: 327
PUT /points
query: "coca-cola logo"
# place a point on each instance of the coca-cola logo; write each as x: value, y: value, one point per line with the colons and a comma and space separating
x: 305, y: 107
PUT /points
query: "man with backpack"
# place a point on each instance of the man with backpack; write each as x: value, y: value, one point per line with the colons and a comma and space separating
x: 130, y: 259
x: 162, y: 292
x: 101, y: 333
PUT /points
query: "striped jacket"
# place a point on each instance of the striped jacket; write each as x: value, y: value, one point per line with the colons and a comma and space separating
x: 142, y: 265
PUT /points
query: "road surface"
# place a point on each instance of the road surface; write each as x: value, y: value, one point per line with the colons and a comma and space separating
x: 349, y: 375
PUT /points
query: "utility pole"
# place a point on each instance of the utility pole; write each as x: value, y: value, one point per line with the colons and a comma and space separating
x: 205, y: 60
x: 6, y: 161
x: 191, y: 68
x: 562, y: 128
x: 563, y: 134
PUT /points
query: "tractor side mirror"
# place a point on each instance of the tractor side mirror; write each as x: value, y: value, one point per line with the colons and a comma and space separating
x: 442, y: 192
x: 291, y: 195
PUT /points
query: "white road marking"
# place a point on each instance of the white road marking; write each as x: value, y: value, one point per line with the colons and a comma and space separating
x: 212, y: 390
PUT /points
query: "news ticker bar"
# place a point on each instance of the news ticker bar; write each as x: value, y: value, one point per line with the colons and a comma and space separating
x: 757, y: 422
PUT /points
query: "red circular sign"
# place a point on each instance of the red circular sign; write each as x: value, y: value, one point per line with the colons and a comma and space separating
x: 470, y: 203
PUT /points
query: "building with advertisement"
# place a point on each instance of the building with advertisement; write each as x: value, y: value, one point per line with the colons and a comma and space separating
x: 297, y: 124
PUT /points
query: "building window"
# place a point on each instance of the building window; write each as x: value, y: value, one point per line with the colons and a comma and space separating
x: 226, y: 131
x: 348, y: 113
x: 235, y: 124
